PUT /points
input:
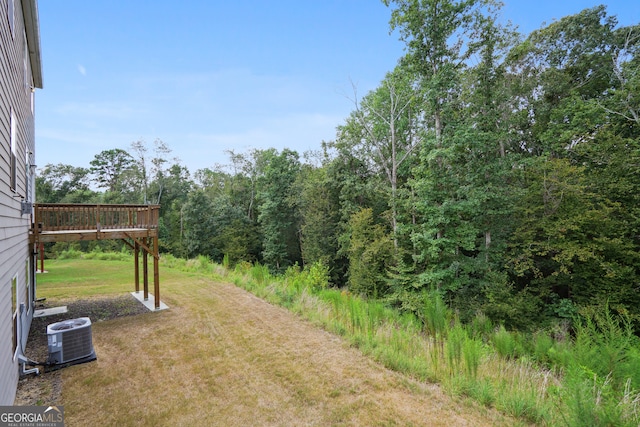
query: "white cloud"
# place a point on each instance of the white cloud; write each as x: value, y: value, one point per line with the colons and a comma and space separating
x: 82, y: 70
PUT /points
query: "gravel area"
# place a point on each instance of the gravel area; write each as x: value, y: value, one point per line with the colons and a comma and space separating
x: 46, y: 388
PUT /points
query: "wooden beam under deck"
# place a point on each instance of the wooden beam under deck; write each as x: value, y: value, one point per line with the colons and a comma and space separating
x: 85, y: 235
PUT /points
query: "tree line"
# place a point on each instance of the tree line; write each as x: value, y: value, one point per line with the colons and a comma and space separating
x: 500, y: 170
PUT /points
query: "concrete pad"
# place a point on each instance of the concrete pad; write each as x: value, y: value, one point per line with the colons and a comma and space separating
x: 150, y: 302
x: 50, y: 311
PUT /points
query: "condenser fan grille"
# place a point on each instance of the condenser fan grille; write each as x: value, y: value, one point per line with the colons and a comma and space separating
x: 68, y: 324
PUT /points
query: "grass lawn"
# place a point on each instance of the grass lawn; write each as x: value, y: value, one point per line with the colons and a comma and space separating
x: 221, y: 356
x: 85, y: 278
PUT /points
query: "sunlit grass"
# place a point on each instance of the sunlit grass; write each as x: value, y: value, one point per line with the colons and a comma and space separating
x: 103, y: 277
x: 107, y: 277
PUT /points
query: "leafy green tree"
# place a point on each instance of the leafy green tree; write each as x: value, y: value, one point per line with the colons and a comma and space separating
x: 569, y: 67
x: 439, y: 40
x: 575, y: 238
x: 278, y: 214
x: 482, y: 184
x: 115, y: 171
x: 246, y: 169
x: 231, y: 232
x: 177, y: 188
x: 160, y: 169
x: 624, y: 100
x: 355, y: 185
x: 238, y: 238
x: 569, y: 243
x: 63, y: 184
x: 370, y: 255
x: 198, y: 225
x: 152, y: 171
x: 214, y: 227
x: 319, y: 207
x: 383, y: 130
x: 441, y: 36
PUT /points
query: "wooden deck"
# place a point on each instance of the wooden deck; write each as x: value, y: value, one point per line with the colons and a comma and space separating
x: 59, y: 222
x: 136, y: 225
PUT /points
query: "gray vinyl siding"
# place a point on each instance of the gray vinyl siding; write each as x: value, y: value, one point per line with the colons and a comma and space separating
x: 15, y: 94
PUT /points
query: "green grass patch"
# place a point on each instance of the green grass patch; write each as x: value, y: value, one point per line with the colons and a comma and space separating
x: 82, y: 278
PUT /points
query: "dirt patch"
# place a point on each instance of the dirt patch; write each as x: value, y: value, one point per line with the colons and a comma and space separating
x: 46, y: 388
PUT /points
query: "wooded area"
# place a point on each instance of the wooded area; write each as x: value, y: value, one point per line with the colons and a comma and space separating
x: 500, y: 170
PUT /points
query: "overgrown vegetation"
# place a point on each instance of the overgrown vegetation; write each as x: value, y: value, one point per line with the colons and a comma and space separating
x: 589, y: 380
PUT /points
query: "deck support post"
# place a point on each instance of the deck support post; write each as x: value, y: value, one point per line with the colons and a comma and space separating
x: 41, y: 257
x: 156, y: 273
x: 145, y: 270
x: 136, y: 251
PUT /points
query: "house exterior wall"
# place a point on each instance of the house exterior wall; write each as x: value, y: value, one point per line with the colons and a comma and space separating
x: 18, y: 48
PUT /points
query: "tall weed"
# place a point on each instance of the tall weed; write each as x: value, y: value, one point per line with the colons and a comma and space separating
x: 589, y: 401
x: 605, y: 344
x: 602, y: 380
x: 226, y: 263
x: 504, y: 343
x: 260, y: 274
x: 481, y: 327
x: 70, y: 254
x: 542, y: 345
x: 318, y: 275
x: 472, y: 352
x: 436, y: 314
x: 456, y: 339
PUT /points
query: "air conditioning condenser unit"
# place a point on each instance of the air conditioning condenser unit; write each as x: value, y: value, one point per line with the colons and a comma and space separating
x: 70, y: 342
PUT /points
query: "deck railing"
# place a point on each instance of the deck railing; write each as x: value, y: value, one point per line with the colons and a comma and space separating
x: 69, y: 217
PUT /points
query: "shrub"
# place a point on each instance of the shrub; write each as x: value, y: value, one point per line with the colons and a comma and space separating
x: 260, y: 273
x: 242, y: 267
x: 504, y: 343
x: 435, y: 314
x: 481, y: 326
x: 455, y: 342
x: 70, y: 254
x: 542, y: 344
x: 472, y: 352
x: 318, y: 275
x: 605, y: 344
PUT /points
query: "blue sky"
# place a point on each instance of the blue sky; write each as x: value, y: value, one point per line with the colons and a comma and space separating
x: 206, y: 76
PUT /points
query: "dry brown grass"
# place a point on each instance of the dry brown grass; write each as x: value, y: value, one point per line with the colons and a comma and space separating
x: 221, y: 356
